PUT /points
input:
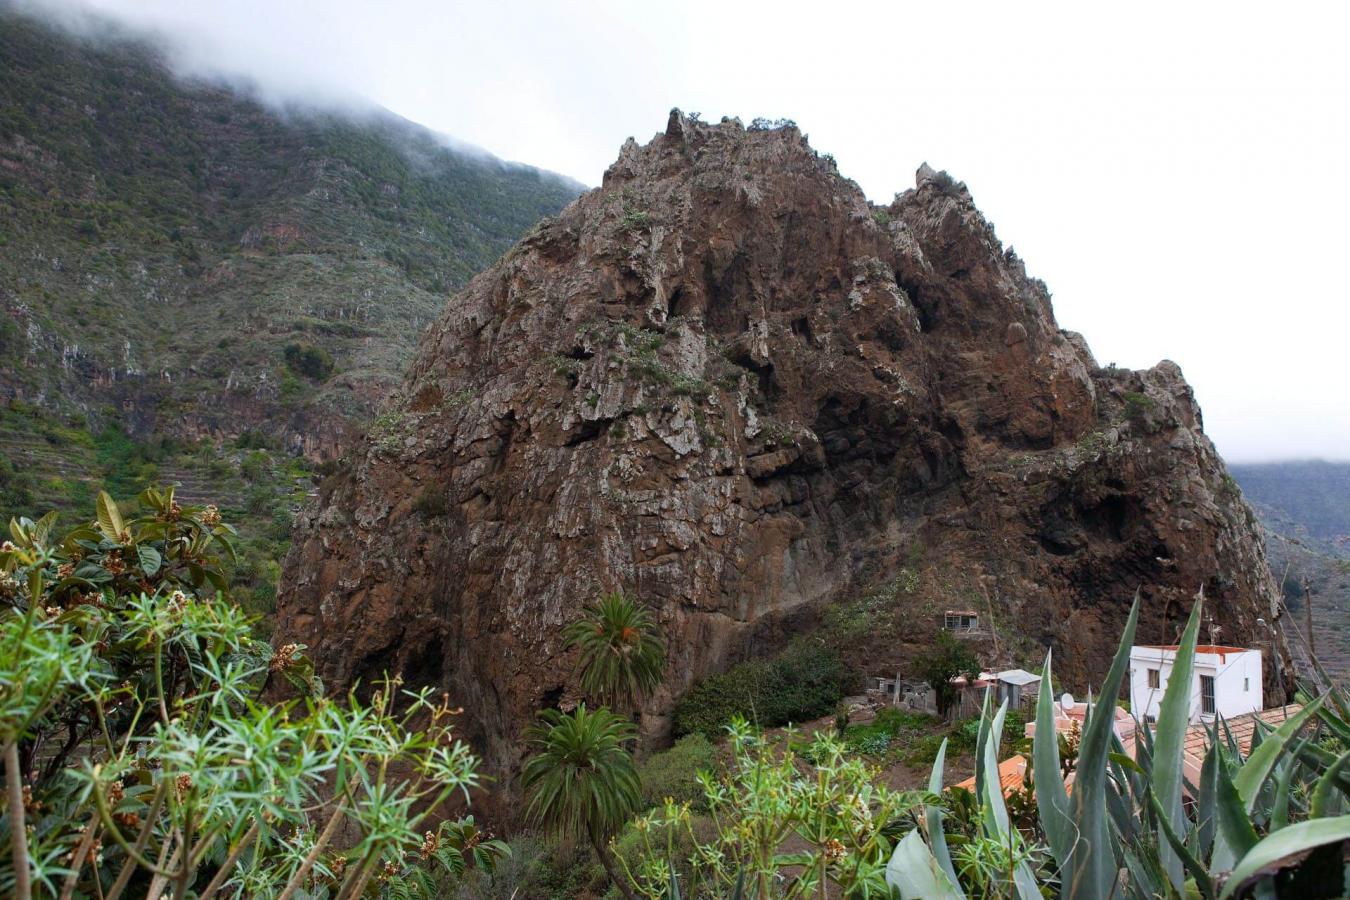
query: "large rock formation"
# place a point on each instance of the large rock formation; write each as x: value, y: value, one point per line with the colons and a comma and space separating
x: 726, y: 382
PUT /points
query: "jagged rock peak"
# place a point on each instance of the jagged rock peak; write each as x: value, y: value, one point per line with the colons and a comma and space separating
x: 725, y: 382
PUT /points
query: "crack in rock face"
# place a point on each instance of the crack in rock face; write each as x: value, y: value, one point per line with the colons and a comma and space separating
x: 725, y: 382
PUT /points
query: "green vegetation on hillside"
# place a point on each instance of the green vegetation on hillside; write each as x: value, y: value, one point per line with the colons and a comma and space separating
x: 801, y: 683
x: 1312, y: 494
x: 180, y: 260
x: 263, y: 486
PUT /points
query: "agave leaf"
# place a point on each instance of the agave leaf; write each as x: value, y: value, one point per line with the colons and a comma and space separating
x: 1321, y: 797
x: 1319, y: 759
x: 1335, y: 723
x: 991, y: 793
x: 980, y: 737
x: 1333, y: 689
x: 1279, y: 813
x: 1277, y: 846
x: 1146, y: 878
x: 1174, y: 717
x: 1207, y: 795
x: 1236, y: 834
x: 932, y: 816
x: 1052, y: 800
x: 1092, y: 869
x: 1203, y: 882
x: 915, y: 872
x: 1259, y: 764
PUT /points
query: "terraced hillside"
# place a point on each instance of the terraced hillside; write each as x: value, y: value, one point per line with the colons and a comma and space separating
x: 1304, y: 509
x: 198, y: 289
x: 176, y: 259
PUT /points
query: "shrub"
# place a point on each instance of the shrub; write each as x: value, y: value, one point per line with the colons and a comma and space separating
x: 1137, y: 406
x: 314, y: 363
x: 836, y: 820
x: 673, y: 773
x: 891, y: 729
x: 431, y: 504
x: 948, y: 658
x: 802, y: 682
x: 131, y: 713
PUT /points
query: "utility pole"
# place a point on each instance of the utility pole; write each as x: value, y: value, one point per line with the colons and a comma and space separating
x: 1307, y: 614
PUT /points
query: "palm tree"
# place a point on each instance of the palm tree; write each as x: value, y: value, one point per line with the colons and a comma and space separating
x: 622, y: 655
x: 581, y: 780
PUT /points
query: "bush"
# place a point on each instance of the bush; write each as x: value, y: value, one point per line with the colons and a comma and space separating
x: 131, y: 712
x: 892, y: 729
x: 314, y: 363
x: 673, y: 773
x: 431, y: 504
x: 948, y: 658
x: 534, y: 867
x: 1137, y: 406
x: 802, y: 682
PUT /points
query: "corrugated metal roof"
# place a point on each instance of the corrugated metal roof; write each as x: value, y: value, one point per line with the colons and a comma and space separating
x: 1017, y: 676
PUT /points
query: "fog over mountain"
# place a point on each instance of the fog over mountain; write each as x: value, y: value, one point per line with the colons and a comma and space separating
x: 1180, y: 186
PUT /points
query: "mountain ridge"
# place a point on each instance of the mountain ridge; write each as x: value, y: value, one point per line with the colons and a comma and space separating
x: 725, y: 382
x: 182, y: 262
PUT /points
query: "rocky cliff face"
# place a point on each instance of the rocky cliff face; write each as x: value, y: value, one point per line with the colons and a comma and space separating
x: 727, y: 383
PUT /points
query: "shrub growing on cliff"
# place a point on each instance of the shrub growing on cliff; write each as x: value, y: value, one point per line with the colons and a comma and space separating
x: 803, y: 682
x: 314, y: 363
x: 140, y: 760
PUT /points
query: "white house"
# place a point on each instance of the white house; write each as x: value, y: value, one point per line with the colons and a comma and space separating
x: 1225, y: 680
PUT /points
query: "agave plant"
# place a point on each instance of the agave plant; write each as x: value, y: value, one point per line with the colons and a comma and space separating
x: 1125, y: 830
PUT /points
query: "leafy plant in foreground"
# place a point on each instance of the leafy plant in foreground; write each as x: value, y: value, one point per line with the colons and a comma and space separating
x: 140, y: 760
x: 769, y: 802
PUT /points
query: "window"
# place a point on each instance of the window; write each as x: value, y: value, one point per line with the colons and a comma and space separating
x: 1246, y: 684
x: 1207, y: 694
x: 1153, y: 680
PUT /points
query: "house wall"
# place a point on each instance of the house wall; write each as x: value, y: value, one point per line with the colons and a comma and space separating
x: 1228, y: 670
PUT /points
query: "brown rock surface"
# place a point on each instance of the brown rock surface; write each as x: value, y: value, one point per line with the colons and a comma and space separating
x: 726, y: 382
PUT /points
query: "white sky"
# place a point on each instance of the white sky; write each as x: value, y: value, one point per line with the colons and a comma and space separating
x: 1176, y: 173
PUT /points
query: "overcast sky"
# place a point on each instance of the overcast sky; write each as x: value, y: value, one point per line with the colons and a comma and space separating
x: 1178, y: 174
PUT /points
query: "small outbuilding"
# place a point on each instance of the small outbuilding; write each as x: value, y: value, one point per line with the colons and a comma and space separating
x: 961, y: 621
x: 1017, y: 686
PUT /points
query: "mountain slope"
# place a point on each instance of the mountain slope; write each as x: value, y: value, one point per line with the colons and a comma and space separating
x: 1312, y: 493
x: 1304, y: 508
x: 163, y: 244
x: 726, y: 383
